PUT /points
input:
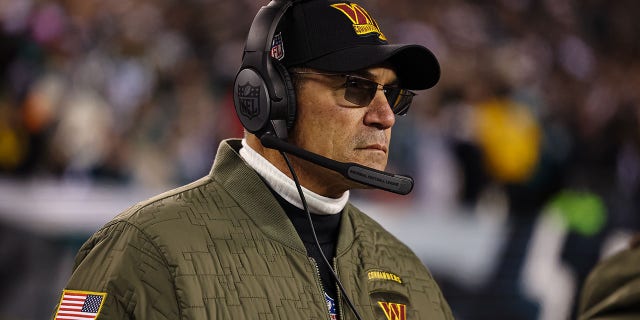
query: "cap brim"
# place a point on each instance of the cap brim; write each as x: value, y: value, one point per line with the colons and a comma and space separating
x: 416, y: 67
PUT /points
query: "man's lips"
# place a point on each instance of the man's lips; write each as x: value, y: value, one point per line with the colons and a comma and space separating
x: 375, y: 147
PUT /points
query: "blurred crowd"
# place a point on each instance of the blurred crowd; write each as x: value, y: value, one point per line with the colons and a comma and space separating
x: 538, y: 108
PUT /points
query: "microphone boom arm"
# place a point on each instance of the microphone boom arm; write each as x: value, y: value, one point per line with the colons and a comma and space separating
x: 395, y: 183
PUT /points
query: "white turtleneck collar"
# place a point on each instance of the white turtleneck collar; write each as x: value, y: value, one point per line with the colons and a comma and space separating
x: 286, y: 187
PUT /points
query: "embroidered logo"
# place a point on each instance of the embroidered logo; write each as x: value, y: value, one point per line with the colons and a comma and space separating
x: 383, y: 275
x: 248, y: 96
x: 394, y: 311
x: 331, y: 305
x: 277, y: 47
x: 80, y: 305
x: 363, y: 23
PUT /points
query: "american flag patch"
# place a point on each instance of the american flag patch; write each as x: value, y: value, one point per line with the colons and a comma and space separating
x: 80, y: 305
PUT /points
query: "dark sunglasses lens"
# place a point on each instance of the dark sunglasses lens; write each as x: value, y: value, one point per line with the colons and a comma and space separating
x: 360, y: 91
x: 399, y: 99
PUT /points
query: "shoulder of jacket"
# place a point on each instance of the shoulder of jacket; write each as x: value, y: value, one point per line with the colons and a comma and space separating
x: 165, y: 219
x: 167, y: 205
x: 612, y: 284
x: 374, y: 229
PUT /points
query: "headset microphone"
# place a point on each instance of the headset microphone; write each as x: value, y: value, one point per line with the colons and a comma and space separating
x: 395, y: 183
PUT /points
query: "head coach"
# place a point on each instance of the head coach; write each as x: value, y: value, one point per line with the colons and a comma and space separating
x: 270, y: 233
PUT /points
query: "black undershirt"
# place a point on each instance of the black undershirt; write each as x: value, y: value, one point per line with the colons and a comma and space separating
x: 327, y: 228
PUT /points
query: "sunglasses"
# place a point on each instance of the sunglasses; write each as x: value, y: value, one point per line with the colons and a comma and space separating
x: 361, y: 91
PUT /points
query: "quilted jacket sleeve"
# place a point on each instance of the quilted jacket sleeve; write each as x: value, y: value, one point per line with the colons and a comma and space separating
x: 121, y: 261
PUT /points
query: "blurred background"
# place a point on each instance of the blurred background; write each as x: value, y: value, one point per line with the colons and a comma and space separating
x: 526, y: 155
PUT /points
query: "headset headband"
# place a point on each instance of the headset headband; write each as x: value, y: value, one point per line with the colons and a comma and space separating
x: 264, y: 96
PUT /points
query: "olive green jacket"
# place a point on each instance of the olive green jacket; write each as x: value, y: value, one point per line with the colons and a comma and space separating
x: 612, y: 290
x: 223, y: 248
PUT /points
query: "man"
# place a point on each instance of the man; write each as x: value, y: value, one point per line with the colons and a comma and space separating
x: 237, y: 244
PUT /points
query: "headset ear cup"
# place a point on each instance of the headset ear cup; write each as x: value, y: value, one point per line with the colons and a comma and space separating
x: 251, y: 100
x: 289, y: 92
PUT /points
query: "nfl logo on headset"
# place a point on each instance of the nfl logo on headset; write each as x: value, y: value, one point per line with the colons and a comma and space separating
x: 277, y: 47
x: 248, y: 97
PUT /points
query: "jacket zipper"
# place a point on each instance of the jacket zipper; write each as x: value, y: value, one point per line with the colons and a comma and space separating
x: 339, y: 298
x: 319, y: 281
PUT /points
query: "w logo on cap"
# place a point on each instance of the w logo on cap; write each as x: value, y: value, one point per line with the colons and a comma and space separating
x: 363, y: 23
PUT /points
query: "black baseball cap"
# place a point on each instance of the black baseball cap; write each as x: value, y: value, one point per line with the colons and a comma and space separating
x: 341, y: 36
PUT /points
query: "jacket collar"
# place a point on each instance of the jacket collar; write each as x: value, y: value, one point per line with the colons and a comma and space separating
x: 253, y: 196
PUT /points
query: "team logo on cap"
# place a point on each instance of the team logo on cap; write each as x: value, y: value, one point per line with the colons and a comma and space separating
x: 248, y: 97
x: 363, y: 23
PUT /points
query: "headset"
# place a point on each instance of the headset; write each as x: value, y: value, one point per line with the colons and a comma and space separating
x: 263, y: 93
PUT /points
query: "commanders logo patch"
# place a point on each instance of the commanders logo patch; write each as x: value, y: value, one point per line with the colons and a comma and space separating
x: 363, y: 23
x: 383, y: 275
x: 394, y: 311
x: 80, y: 305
